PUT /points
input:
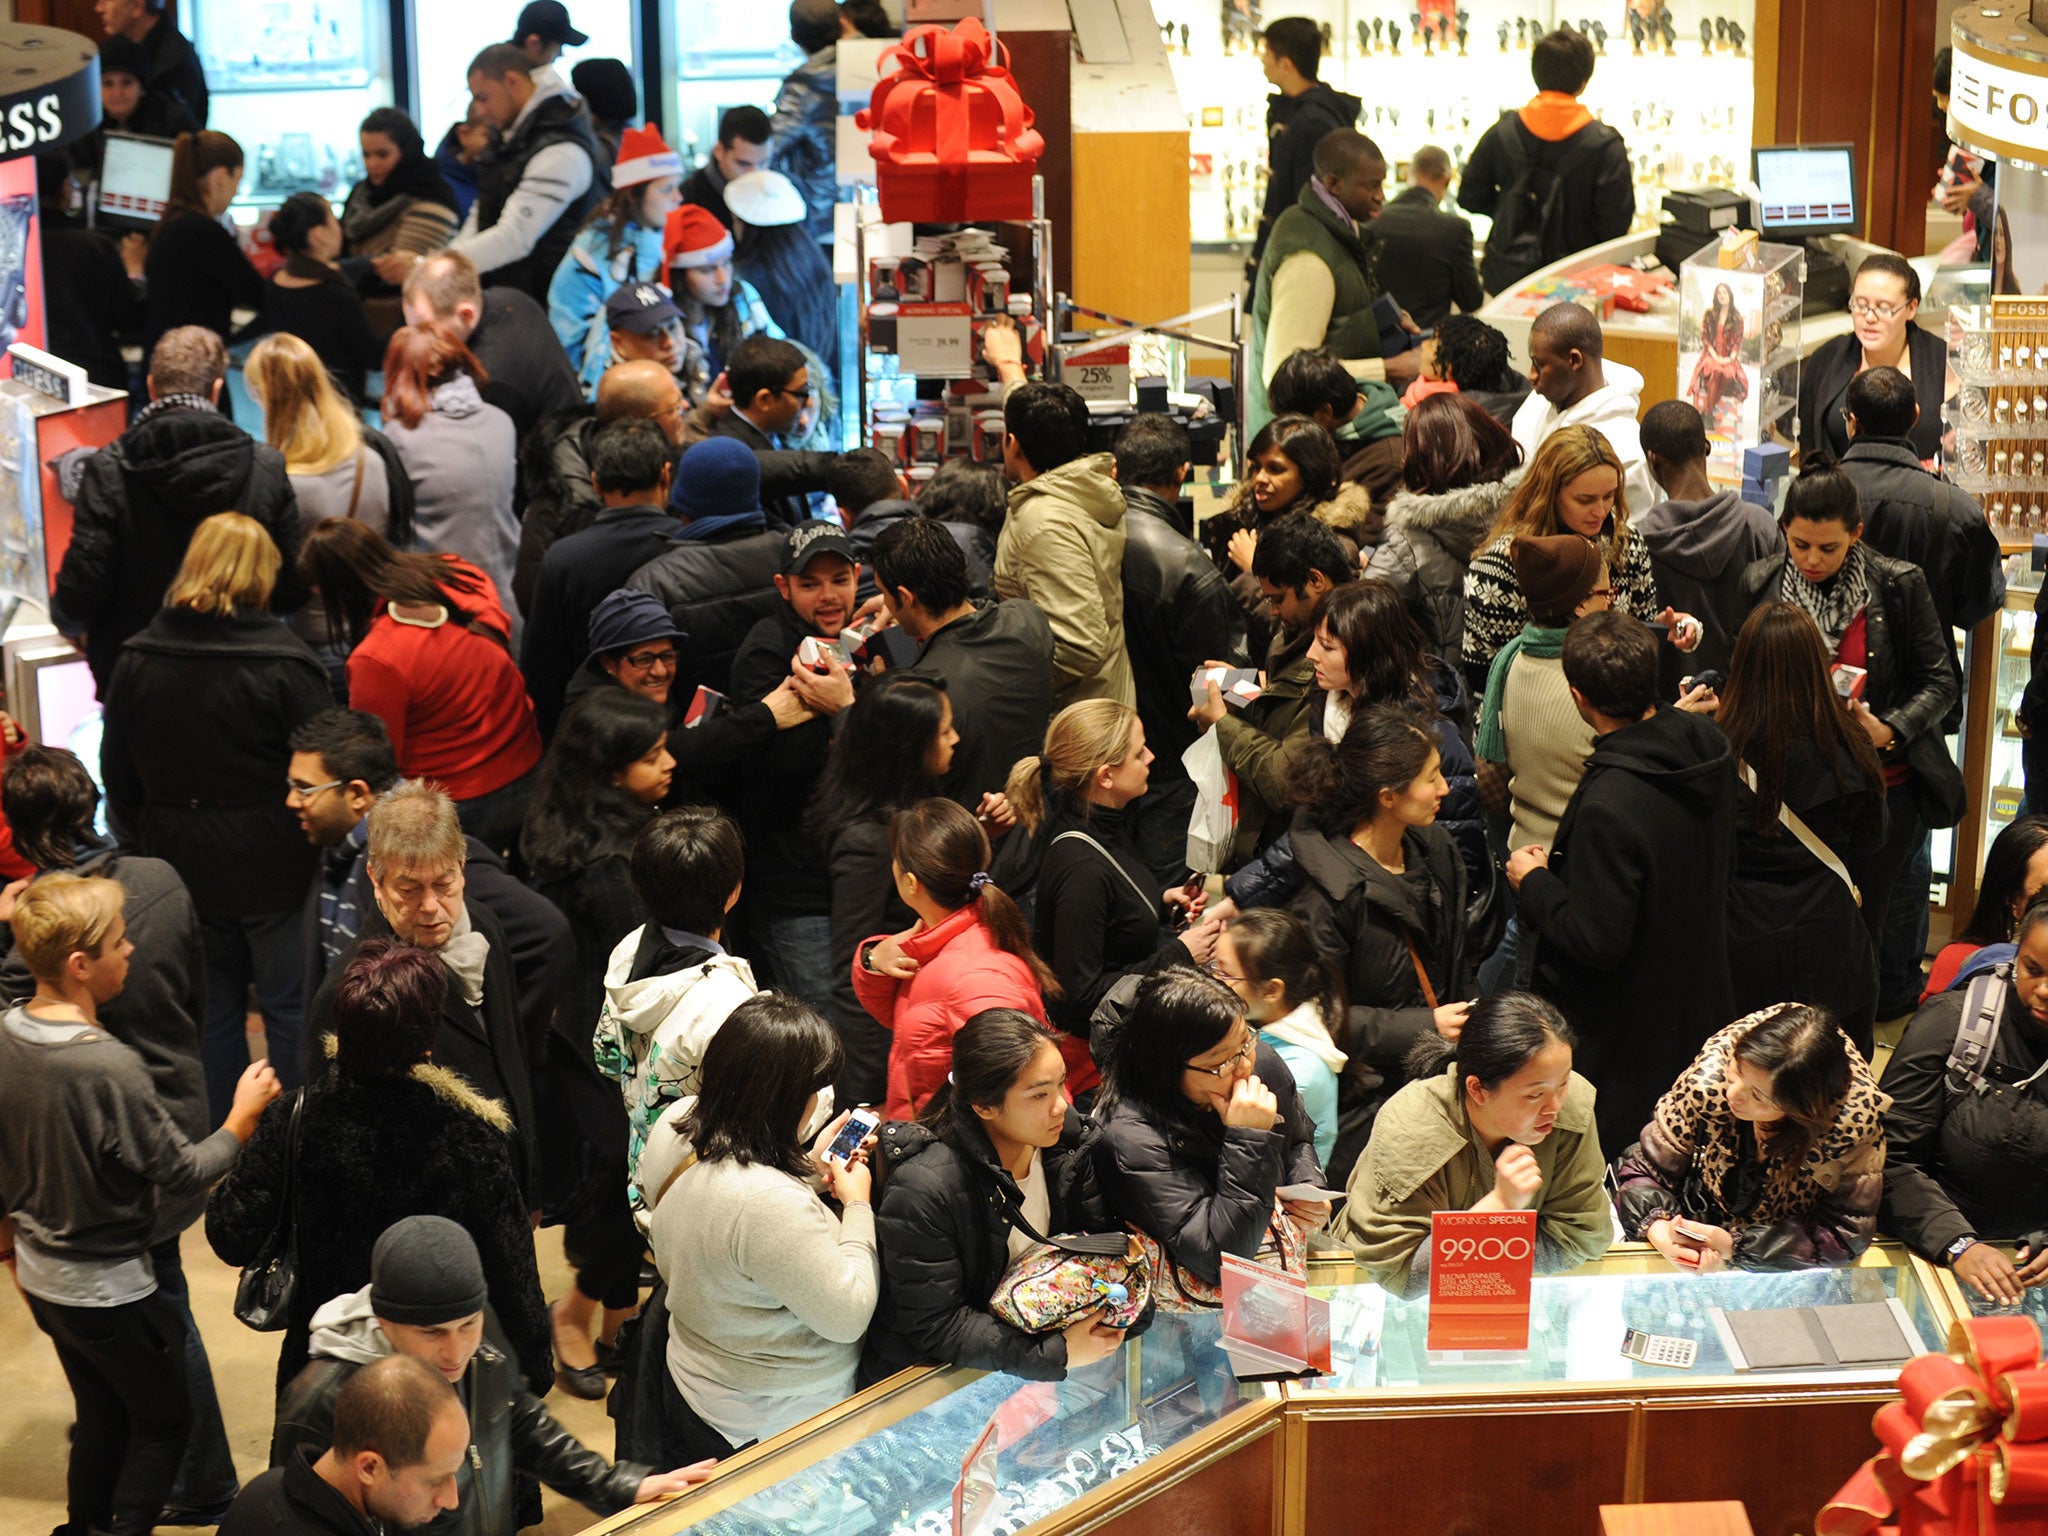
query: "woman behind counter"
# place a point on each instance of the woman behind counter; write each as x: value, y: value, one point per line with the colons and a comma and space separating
x: 1882, y: 302
x: 1495, y: 1120
x: 1771, y: 1141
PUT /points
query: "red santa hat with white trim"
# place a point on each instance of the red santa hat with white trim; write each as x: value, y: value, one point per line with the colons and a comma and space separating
x: 644, y: 157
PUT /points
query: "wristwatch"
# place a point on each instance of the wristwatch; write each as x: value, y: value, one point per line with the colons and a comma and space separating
x: 1957, y: 1249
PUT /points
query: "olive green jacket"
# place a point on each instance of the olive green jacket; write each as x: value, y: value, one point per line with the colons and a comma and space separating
x: 1424, y: 1158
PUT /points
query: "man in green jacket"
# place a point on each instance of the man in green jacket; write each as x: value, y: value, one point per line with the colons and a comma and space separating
x: 1062, y: 545
x: 1317, y: 282
x: 1299, y: 562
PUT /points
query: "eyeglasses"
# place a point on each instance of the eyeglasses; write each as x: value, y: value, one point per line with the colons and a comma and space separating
x: 1869, y: 309
x: 1601, y: 592
x: 1227, y: 1067
x: 799, y: 394
x: 304, y: 793
x: 1215, y: 969
x: 647, y: 661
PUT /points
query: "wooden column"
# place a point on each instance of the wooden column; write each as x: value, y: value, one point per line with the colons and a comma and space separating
x: 1041, y: 58
x: 1860, y: 71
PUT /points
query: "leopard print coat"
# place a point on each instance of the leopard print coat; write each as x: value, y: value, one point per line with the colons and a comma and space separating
x: 1820, y: 1210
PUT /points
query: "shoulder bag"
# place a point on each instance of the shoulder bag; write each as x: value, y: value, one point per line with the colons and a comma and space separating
x: 263, y: 1296
x: 1807, y: 838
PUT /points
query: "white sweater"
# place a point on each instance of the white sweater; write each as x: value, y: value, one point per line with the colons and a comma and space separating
x: 769, y: 1296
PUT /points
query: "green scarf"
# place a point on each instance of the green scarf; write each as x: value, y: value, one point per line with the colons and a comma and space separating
x: 1535, y: 639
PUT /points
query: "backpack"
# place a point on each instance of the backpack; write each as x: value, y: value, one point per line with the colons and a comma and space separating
x: 1977, y: 1030
x: 1528, y: 222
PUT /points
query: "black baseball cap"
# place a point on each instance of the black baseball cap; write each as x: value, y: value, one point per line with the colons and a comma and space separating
x: 820, y: 536
x: 548, y: 19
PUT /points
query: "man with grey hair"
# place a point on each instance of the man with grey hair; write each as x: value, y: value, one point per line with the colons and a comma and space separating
x: 1426, y: 252
x: 140, y: 497
x: 415, y: 859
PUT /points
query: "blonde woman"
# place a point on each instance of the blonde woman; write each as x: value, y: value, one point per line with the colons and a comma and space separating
x: 1573, y: 485
x: 199, y: 716
x: 1097, y: 917
x: 337, y: 466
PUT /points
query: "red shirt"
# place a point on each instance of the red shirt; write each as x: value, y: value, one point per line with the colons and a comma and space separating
x: 1854, y: 651
x: 451, y: 697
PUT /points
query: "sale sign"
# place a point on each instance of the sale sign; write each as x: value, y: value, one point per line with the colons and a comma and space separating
x: 1481, y: 1265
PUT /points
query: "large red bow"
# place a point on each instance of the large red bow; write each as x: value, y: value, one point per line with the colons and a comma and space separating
x: 951, y: 137
x: 1965, y: 1449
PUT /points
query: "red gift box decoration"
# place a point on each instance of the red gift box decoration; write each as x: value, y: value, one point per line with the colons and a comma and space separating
x: 951, y: 137
x: 1964, y: 1450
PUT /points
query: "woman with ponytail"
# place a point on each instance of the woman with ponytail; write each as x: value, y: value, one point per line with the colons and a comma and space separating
x: 969, y: 950
x: 999, y: 1160
x: 196, y: 270
x: 1095, y: 918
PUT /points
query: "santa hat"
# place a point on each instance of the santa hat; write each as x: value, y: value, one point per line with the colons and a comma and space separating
x: 694, y: 238
x: 644, y: 157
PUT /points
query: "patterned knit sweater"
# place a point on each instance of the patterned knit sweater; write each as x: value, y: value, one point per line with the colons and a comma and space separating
x: 1495, y: 611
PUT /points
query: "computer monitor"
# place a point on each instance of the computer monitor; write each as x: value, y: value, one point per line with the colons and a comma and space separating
x: 1806, y: 189
x: 135, y: 180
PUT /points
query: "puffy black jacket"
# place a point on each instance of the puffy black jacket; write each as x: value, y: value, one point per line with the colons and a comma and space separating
x: 1178, y: 613
x: 997, y: 663
x: 715, y: 589
x: 1630, y: 918
x: 976, y: 546
x: 1202, y: 1188
x: 1364, y: 919
x: 581, y: 570
x: 139, y: 499
x: 942, y: 1221
x: 1961, y: 1163
x: 554, y: 467
x: 1912, y: 682
x: 373, y: 1151
x: 199, y: 718
x: 510, y: 1430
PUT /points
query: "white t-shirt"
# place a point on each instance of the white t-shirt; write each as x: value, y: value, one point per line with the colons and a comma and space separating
x: 1037, y: 1207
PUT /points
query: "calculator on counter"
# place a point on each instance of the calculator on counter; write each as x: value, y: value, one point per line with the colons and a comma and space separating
x: 1660, y: 1349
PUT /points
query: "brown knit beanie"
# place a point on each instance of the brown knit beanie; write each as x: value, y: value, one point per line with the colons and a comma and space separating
x: 1556, y: 573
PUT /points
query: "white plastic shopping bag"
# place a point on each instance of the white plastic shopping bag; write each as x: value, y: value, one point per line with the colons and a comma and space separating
x: 1213, y: 827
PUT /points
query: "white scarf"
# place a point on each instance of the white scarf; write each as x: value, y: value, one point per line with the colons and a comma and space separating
x: 1304, y: 1028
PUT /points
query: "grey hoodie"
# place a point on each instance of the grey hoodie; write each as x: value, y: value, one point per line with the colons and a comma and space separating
x: 346, y: 1329
x: 461, y: 459
x: 1699, y: 550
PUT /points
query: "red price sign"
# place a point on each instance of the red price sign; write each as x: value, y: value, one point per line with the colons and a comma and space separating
x: 1481, y: 1265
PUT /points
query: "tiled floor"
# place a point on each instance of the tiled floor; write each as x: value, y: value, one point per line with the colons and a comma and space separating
x: 35, y: 1406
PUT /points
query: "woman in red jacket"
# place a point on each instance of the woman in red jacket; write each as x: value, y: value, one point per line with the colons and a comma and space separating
x: 430, y: 655
x: 969, y: 950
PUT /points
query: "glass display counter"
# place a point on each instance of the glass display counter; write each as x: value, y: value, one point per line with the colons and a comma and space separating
x: 1964, y: 1302
x: 1164, y: 1414
x: 1571, y: 1423
x: 1162, y: 1438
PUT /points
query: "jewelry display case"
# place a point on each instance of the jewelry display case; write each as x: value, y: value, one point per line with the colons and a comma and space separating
x: 1678, y: 82
x: 1162, y: 1438
x: 1739, y: 352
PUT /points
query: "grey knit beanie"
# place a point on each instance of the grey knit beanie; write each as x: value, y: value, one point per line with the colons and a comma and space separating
x: 425, y: 1270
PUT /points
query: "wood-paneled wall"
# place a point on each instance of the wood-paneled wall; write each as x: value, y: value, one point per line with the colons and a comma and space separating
x: 1855, y: 70
x: 74, y: 15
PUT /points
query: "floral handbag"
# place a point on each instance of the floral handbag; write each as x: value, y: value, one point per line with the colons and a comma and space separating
x: 1050, y: 1284
x: 1176, y: 1290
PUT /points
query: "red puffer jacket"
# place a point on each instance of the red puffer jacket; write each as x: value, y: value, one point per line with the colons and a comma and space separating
x: 959, y: 973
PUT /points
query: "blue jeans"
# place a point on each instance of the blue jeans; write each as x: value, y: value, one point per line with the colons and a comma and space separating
x: 206, y: 1478
x: 1508, y: 968
x: 797, y: 951
x: 242, y: 951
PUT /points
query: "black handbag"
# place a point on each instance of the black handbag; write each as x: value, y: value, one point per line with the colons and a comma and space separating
x: 263, y: 1296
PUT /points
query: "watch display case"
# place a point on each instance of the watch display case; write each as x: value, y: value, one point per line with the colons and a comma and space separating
x: 1162, y: 1437
x: 1677, y: 81
x: 289, y: 80
x: 1964, y: 1302
x: 892, y: 1460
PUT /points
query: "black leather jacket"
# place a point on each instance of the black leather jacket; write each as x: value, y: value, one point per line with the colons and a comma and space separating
x: 1912, y: 682
x: 510, y: 1430
x: 1178, y: 613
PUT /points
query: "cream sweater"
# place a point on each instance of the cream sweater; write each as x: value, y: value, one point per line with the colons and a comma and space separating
x: 769, y: 1296
x: 1548, y: 744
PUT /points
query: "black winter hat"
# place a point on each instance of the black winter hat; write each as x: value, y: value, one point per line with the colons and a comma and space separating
x: 425, y: 1270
